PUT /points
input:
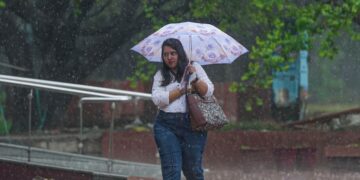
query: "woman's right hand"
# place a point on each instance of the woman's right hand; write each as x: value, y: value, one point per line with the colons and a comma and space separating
x: 176, y: 93
x: 191, y: 69
x: 182, y: 91
x: 193, y: 77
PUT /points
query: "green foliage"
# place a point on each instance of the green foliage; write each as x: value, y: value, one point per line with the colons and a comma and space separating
x: 144, y: 72
x: 277, y: 29
x: 333, y: 81
x: 2, y: 97
x: 2, y: 4
x: 5, y: 126
x: 287, y: 27
x: 203, y: 8
x: 149, y: 14
x: 286, y: 22
x: 77, y: 10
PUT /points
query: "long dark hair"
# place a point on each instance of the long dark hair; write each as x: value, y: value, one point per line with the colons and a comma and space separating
x: 182, y: 61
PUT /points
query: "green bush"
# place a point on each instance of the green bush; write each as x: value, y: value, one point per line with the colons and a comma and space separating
x: 5, y: 126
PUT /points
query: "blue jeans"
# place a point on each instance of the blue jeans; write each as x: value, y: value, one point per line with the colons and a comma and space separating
x: 179, y: 147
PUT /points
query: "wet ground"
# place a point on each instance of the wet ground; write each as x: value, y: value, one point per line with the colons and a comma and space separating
x: 276, y: 175
x: 68, y: 143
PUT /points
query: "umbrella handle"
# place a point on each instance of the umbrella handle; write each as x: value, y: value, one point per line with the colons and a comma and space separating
x: 186, y: 76
x: 186, y: 70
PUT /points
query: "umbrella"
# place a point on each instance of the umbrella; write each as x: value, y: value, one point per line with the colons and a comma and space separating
x: 203, y: 43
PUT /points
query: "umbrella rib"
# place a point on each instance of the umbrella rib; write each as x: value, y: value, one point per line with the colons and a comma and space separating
x: 222, y: 49
x: 190, y: 42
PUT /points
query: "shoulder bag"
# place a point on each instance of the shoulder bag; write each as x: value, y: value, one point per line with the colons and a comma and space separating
x: 205, y: 112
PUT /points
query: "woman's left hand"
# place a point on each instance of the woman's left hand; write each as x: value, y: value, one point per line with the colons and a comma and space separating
x: 192, y: 71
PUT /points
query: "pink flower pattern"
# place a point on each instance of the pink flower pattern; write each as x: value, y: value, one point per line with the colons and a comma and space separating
x: 203, y: 43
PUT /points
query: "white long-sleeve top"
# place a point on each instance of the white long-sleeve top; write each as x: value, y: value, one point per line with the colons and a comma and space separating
x: 160, y: 94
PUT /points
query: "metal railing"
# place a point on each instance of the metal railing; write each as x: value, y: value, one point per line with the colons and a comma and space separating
x: 78, y: 162
x: 74, y: 89
x: 87, y: 94
x: 100, y: 100
x: 65, y: 87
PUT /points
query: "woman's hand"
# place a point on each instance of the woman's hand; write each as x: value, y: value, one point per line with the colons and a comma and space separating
x: 191, y: 89
x: 182, y: 91
x: 193, y: 75
x: 197, y: 85
x: 193, y: 78
x: 176, y: 93
x: 191, y: 69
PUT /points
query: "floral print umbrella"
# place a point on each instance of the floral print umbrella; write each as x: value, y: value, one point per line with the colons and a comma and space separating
x: 203, y: 43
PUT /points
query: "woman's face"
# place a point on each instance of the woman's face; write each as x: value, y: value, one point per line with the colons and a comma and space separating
x: 170, y: 57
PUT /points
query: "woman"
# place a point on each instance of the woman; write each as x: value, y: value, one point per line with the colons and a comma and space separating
x: 179, y: 147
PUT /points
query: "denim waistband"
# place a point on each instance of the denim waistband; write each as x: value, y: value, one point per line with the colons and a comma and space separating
x: 171, y: 114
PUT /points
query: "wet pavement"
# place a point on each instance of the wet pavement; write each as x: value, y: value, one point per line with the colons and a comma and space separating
x: 281, y: 175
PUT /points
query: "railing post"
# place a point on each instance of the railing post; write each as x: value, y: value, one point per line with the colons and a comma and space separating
x: 111, y: 128
x: 81, y: 145
x: 30, y: 97
x: 137, y: 116
x: 110, y: 151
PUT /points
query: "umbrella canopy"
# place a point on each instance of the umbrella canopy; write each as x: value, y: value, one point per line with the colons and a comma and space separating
x: 203, y: 43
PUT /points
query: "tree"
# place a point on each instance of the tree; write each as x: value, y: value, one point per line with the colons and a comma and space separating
x: 290, y: 26
x: 62, y: 40
x: 283, y: 27
x: 65, y: 40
